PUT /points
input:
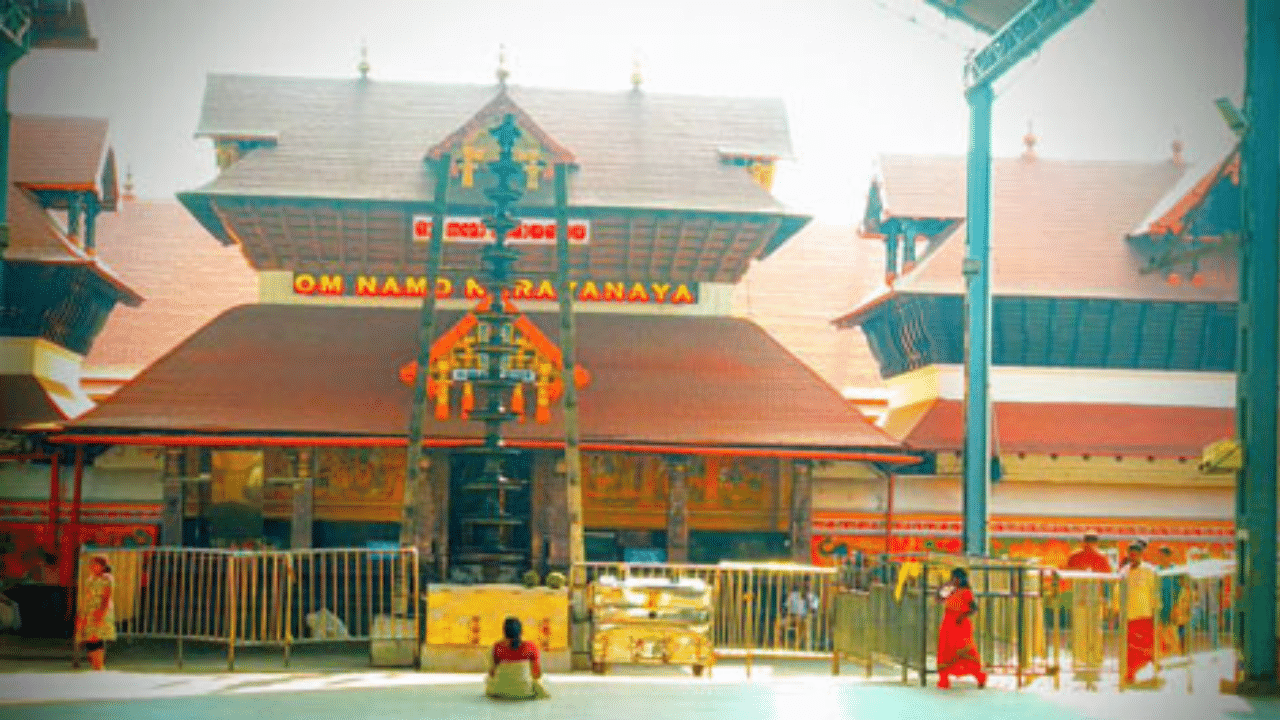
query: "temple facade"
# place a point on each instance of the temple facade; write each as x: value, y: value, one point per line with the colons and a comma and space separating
x: 1114, y: 287
x: 282, y: 422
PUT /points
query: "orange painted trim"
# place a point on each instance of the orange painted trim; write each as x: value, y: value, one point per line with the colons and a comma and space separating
x: 224, y: 441
x: 89, y: 187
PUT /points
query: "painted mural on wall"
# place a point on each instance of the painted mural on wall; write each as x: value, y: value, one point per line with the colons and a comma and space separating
x: 28, y: 554
x: 345, y: 479
x: 631, y: 483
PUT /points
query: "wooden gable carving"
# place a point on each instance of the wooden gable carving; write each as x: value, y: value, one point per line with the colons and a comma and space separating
x: 472, y: 145
x: 454, y: 363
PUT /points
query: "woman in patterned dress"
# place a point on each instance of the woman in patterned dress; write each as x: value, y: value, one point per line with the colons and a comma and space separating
x: 97, y: 621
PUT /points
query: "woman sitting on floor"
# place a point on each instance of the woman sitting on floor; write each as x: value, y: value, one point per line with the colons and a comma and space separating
x: 516, y: 671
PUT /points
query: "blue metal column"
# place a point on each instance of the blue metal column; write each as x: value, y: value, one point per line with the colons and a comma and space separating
x: 1259, y: 322
x: 977, y: 272
x: 7, y: 58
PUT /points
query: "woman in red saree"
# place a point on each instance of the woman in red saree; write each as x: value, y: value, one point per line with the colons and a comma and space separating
x: 957, y: 653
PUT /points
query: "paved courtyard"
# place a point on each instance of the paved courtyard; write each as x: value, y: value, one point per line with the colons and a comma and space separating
x: 421, y: 696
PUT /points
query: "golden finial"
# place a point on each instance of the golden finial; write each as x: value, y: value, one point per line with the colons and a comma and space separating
x: 502, y: 73
x: 363, y: 67
x: 636, y: 77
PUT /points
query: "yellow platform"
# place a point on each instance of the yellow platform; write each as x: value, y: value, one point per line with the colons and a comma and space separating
x: 464, y: 621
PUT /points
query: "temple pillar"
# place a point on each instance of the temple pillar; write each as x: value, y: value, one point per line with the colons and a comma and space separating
x: 302, y: 519
x: 438, y: 488
x: 801, y: 510
x: 677, y: 509
x: 418, y: 518
x: 174, y: 505
x: 549, y: 506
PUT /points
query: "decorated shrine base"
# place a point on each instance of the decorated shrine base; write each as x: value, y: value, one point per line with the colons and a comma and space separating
x: 464, y: 621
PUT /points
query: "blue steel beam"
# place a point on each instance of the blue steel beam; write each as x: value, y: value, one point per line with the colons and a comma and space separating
x: 1021, y: 36
x: 1258, y: 321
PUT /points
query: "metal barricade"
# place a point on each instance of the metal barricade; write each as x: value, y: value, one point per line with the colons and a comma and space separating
x: 267, y: 598
x: 759, y: 609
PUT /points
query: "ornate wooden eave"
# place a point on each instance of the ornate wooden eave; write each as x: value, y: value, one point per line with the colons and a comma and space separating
x: 1204, y: 221
x: 358, y: 236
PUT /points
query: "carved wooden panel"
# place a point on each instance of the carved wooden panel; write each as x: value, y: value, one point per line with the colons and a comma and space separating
x: 739, y: 484
x: 623, y: 481
x: 360, y: 474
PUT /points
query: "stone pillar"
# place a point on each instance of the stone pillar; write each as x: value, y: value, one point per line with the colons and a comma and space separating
x: 174, y: 498
x: 801, y: 510
x: 677, y: 509
x: 438, y: 488
x: 304, y: 507
x: 420, y: 530
x: 549, y: 510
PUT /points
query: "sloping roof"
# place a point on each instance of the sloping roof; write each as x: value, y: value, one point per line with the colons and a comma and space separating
x: 1059, y: 228
x: 26, y: 403
x: 1076, y: 428
x: 56, y: 152
x: 365, y: 139
x: 794, y: 293
x: 187, y: 277
x: 679, y: 380
x: 1170, y: 213
x: 35, y: 237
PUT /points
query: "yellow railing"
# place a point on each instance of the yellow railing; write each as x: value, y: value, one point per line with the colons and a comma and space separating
x: 275, y: 598
x: 758, y: 609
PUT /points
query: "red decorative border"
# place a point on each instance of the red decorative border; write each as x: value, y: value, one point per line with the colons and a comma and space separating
x: 37, y: 511
x: 1031, y: 527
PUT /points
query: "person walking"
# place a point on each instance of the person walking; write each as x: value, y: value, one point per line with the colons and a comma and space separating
x: 1140, y: 583
x: 97, y: 621
x: 957, y: 652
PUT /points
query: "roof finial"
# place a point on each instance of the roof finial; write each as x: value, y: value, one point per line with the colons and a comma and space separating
x: 503, y: 73
x: 1029, y: 140
x: 1177, y: 148
x: 128, y: 184
x: 637, y: 78
x: 363, y: 67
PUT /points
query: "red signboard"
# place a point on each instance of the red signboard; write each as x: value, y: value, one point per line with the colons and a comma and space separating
x: 473, y: 229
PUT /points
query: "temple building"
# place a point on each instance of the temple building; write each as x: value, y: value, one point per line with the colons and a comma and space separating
x: 58, y: 291
x: 282, y: 422
x: 1114, y: 290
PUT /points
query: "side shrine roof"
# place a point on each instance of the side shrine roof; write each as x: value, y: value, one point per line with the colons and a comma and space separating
x: 366, y: 139
x: 1068, y: 428
x: 1059, y: 229
x: 276, y: 371
x: 57, y: 153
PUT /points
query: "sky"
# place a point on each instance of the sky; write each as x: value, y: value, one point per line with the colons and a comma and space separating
x: 859, y: 77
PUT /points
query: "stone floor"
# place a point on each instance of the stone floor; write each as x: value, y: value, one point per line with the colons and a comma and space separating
x: 770, y: 693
